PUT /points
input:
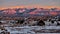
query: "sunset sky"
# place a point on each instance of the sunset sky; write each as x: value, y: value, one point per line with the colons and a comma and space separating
x: 29, y: 3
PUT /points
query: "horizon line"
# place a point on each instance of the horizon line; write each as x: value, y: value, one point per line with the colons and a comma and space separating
x: 48, y: 7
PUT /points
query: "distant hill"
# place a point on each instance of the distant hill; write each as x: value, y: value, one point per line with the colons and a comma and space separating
x: 27, y: 12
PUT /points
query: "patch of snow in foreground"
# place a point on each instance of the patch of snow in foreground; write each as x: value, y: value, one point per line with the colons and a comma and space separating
x: 48, y: 33
x: 27, y: 29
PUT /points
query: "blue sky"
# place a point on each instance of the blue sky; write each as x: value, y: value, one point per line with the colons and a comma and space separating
x: 8, y: 3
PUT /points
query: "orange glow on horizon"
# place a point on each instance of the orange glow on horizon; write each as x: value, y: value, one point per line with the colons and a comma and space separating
x: 35, y: 6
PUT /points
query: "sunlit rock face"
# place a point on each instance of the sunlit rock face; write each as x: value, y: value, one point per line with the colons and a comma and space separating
x: 21, y: 11
x: 9, y: 11
x: 53, y: 13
